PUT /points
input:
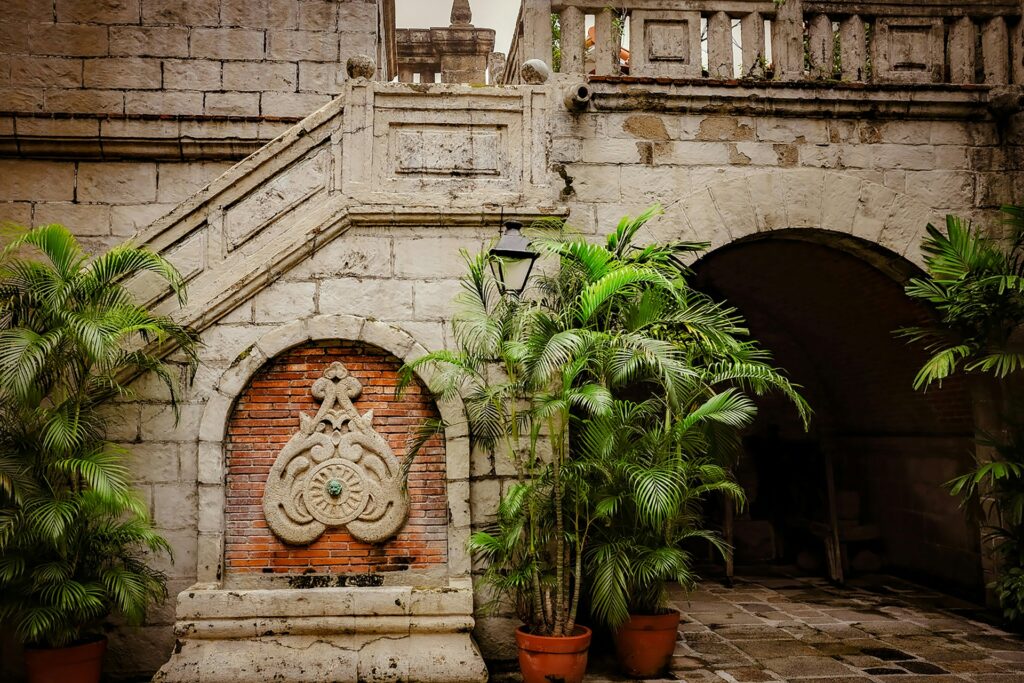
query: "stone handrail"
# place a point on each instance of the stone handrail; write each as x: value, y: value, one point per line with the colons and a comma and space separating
x: 899, y: 41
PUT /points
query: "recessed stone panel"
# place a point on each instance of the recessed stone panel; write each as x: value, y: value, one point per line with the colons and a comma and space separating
x: 472, y: 153
x: 908, y: 50
x: 665, y: 44
x: 448, y: 150
x: 274, y: 198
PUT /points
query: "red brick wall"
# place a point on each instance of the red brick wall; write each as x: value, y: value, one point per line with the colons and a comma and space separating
x: 267, y: 415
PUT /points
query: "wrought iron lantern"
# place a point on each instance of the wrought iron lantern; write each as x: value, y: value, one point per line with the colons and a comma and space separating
x: 512, y: 259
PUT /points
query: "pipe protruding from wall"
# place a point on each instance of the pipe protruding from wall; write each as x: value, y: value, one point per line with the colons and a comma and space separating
x: 578, y: 96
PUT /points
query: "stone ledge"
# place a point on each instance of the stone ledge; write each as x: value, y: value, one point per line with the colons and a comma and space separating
x: 205, y: 604
x: 325, y: 634
x: 805, y: 99
x: 119, y: 136
x: 333, y: 658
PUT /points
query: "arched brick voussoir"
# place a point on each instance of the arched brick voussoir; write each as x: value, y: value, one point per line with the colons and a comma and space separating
x: 249, y: 360
x: 736, y: 208
x: 905, y: 227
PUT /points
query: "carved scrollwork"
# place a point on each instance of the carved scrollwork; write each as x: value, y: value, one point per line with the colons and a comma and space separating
x: 335, y: 471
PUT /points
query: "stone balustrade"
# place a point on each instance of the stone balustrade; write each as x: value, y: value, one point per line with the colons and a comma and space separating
x: 894, y: 42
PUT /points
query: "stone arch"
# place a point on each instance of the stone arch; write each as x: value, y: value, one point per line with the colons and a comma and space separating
x: 213, y: 425
x: 826, y: 304
x: 738, y: 207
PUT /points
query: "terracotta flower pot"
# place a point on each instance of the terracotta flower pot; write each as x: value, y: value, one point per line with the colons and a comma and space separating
x: 76, y: 664
x: 644, y: 644
x: 548, y: 659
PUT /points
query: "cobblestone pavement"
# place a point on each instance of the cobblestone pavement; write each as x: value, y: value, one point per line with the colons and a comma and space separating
x: 876, y: 629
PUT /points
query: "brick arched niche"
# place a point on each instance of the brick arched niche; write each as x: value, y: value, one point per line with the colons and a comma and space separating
x: 267, y: 415
x: 235, y: 449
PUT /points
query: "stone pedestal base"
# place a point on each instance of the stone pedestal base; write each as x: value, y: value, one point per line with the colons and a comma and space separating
x: 322, y: 635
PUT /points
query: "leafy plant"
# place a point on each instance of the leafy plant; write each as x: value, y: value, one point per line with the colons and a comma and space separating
x: 74, y: 538
x: 661, y: 450
x: 653, y: 480
x: 975, y: 283
x: 532, y: 369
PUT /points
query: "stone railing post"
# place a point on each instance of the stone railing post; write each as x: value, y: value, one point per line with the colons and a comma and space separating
x: 536, y: 31
x: 961, y: 51
x: 573, y: 38
x: 995, y: 51
x: 788, y: 41
x: 607, y: 43
x: 820, y: 42
x: 853, y: 48
x: 752, y: 38
x: 1017, y: 50
x: 720, y: 46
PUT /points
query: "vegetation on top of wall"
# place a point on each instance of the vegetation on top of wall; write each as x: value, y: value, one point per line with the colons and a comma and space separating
x: 75, y: 539
x: 975, y: 283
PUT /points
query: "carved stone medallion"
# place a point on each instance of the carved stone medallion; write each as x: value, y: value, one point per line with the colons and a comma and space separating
x: 335, y: 471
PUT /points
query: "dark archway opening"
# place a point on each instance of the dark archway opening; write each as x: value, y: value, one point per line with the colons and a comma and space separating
x: 827, y: 310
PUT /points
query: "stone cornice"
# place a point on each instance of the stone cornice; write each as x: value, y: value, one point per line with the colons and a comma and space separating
x: 152, y: 138
x: 805, y: 99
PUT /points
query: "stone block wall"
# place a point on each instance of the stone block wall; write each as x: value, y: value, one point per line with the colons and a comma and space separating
x: 265, y: 418
x: 239, y: 58
x: 119, y: 109
x: 103, y: 202
x: 623, y: 161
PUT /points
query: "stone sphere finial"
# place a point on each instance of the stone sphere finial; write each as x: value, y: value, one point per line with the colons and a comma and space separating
x: 361, y: 66
x: 462, y: 15
x: 535, y: 71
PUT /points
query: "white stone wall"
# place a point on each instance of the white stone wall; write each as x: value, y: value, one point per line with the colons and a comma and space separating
x: 367, y: 228
x: 103, y: 202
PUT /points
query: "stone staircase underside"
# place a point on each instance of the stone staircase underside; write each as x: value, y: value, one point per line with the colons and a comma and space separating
x: 378, y: 155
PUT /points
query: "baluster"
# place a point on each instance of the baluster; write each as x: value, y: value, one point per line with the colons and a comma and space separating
x: 853, y: 48
x: 788, y: 41
x: 573, y: 32
x: 1017, y: 52
x: 962, y: 53
x: 752, y: 37
x: 720, y: 46
x: 607, y: 44
x: 536, y: 41
x: 995, y: 51
x: 820, y: 42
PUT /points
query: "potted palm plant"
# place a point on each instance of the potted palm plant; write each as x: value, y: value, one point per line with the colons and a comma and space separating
x: 649, y: 462
x: 648, y: 505
x: 528, y: 368
x: 75, y: 539
x: 975, y: 285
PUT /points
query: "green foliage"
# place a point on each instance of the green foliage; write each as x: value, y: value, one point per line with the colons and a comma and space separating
x: 556, y: 43
x: 975, y: 283
x: 74, y: 538
x: 610, y: 320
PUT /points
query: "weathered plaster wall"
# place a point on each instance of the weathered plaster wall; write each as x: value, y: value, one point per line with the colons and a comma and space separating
x: 181, y: 88
x: 720, y: 176
x: 623, y: 161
